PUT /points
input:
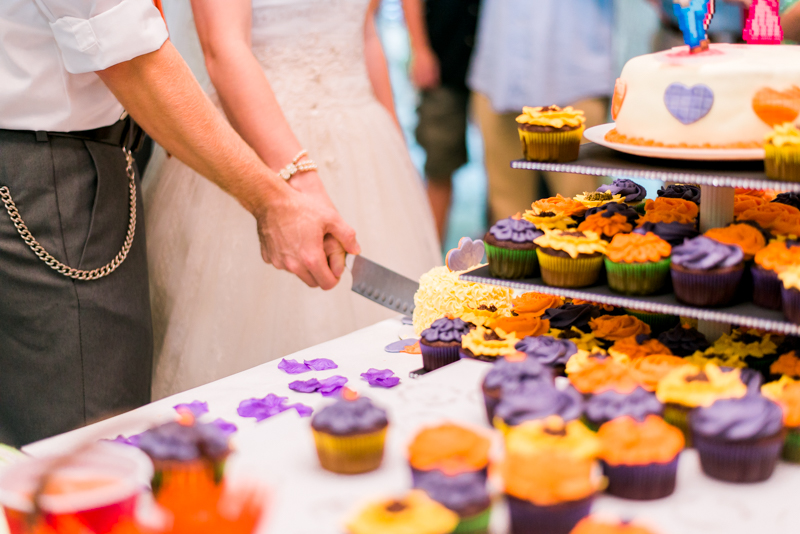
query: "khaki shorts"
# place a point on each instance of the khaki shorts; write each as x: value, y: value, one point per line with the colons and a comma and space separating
x: 442, y: 131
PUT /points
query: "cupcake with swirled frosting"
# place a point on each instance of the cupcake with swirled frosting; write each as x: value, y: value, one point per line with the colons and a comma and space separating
x: 608, y: 405
x: 570, y: 258
x: 510, y: 248
x: 551, y: 133
x: 615, y: 208
x: 567, y: 316
x: 637, y: 264
x: 739, y: 440
x: 674, y: 233
x: 549, y: 351
x: 536, y: 400
x: 464, y: 494
x: 683, y: 191
x: 440, y: 343
x: 706, y: 272
x: 790, y: 293
x: 786, y: 392
x: 684, y: 340
x: 769, y: 262
x: 509, y: 374
x: 632, y: 193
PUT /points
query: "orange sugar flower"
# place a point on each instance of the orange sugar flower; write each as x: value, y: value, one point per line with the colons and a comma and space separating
x: 449, y: 448
x: 616, y: 327
x: 625, y: 441
x: 535, y: 303
x: 637, y: 248
x: 634, y: 350
x: 649, y: 371
x: 603, y: 375
x: 607, y: 226
x: 788, y: 364
x: 522, y: 325
x: 561, y: 205
x: 745, y: 236
x: 674, y: 205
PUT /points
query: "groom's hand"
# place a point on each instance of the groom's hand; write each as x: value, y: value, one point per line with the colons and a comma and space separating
x: 293, y: 227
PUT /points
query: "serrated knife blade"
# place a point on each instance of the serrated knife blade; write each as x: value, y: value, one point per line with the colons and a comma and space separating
x: 382, y: 285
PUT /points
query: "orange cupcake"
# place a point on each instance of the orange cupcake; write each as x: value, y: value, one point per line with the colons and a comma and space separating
x: 606, y: 224
x: 686, y: 208
x: 635, y: 347
x: 521, y: 325
x: 786, y: 392
x: 742, y: 203
x: 649, y: 371
x: 561, y: 205
x: 787, y: 365
x: 535, y: 303
x: 771, y: 261
x: 640, y: 459
x: 747, y: 237
x: 616, y: 327
x: 449, y: 448
x: 603, y: 375
x: 637, y: 264
x: 779, y: 219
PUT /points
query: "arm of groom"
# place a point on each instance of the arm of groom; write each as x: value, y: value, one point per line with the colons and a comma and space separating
x: 160, y: 92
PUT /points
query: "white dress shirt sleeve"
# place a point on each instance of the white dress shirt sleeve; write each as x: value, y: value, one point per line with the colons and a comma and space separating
x: 95, y: 35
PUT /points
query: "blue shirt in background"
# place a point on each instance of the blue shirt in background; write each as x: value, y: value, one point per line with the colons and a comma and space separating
x: 543, y: 52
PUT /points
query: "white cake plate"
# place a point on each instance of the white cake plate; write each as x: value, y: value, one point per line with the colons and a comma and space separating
x: 597, y: 135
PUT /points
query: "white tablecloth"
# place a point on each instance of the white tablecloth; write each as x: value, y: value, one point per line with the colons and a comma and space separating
x: 305, y: 499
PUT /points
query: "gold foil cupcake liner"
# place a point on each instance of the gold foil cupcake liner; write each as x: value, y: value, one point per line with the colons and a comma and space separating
x: 569, y: 272
x: 349, y: 455
x: 782, y: 162
x: 556, y: 147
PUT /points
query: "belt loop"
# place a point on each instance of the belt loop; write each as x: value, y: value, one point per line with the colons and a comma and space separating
x: 41, y: 137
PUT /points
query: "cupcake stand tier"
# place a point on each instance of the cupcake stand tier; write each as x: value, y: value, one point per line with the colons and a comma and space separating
x: 717, y: 180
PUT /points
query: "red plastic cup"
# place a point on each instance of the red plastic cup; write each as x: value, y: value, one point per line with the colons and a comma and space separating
x: 99, y: 486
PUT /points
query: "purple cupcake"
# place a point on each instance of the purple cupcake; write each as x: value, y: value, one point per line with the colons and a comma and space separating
x: 549, y: 351
x: 632, y: 193
x: 615, y: 208
x: 568, y: 315
x: 611, y: 404
x: 511, y: 374
x: 683, y: 191
x: 684, y: 340
x: 674, y: 233
x: 537, y: 400
x: 739, y: 440
x: 706, y: 272
x: 510, y: 249
x: 440, y: 343
x: 464, y: 494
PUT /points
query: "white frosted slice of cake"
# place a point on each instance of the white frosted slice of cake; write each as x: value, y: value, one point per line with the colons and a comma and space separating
x: 727, y: 97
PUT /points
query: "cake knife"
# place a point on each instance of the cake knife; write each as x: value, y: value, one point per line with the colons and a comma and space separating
x: 381, y: 285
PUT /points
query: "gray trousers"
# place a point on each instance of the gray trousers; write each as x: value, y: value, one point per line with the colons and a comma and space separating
x: 71, y: 352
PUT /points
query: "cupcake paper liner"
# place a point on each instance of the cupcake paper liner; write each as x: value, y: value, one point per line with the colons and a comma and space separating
x: 349, y: 455
x: 508, y: 263
x: 529, y: 518
x: 557, y: 147
x: 637, y: 278
x: 436, y: 357
x: 739, y: 461
x: 782, y: 163
x: 766, y: 288
x: 790, y: 303
x: 706, y: 288
x: 491, y: 398
x: 186, y: 474
x: 569, y: 272
x: 791, y: 446
x: 678, y: 416
x: 641, y: 482
x: 659, y: 322
x: 475, y: 524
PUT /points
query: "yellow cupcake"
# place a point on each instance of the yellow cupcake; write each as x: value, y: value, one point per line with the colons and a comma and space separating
x: 551, y: 133
x: 593, y: 199
x: 703, y: 358
x: 583, y: 340
x: 782, y: 158
x: 416, y: 513
x: 483, y: 342
x: 690, y: 386
x: 548, y: 220
x: 570, y: 258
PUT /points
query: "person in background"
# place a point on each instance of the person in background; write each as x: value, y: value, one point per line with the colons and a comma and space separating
x: 537, y: 54
x: 442, y: 34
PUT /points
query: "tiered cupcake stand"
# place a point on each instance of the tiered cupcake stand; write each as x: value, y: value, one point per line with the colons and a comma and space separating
x: 717, y: 180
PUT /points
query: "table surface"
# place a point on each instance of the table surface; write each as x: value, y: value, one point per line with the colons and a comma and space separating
x: 305, y: 499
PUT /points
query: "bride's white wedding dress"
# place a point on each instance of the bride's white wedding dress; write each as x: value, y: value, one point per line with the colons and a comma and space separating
x: 217, y: 308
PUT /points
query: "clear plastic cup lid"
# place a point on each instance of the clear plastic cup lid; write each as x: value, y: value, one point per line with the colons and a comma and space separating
x: 101, y: 475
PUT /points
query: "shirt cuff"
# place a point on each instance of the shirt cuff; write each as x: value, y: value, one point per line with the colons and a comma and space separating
x: 130, y: 29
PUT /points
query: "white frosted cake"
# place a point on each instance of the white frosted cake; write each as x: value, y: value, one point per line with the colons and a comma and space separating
x: 727, y: 97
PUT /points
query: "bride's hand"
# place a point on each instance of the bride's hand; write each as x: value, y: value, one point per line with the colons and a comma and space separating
x: 293, y: 229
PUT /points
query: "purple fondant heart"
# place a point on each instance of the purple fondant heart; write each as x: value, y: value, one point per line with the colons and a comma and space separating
x: 468, y: 254
x: 688, y: 104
